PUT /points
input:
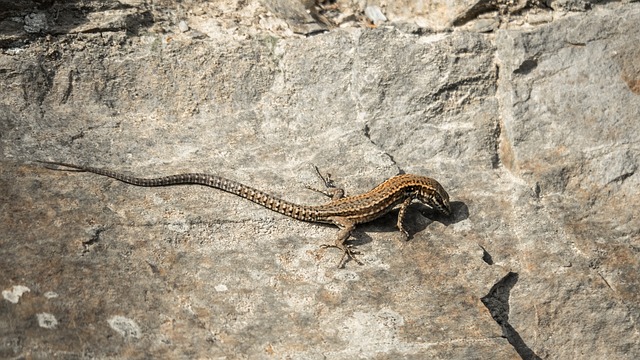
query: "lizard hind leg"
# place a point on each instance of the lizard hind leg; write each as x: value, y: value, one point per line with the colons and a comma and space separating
x: 346, y: 227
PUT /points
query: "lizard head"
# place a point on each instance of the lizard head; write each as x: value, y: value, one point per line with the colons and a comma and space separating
x: 434, y: 196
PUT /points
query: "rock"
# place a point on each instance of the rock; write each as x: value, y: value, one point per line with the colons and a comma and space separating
x: 569, y: 128
x: 531, y: 126
x: 183, y: 26
x: 375, y: 15
x: 35, y: 23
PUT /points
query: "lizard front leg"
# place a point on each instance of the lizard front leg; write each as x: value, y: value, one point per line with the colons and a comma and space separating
x: 403, y: 210
x: 331, y: 190
x: 346, y: 227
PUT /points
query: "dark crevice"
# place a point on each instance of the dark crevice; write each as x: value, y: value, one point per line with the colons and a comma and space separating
x: 367, y: 133
x: 495, y: 157
x: 153, y: 267
x: 38, y: 84
x: 486, y: 257
x: 454, y: 86
x: 497, y: 132
x: 95, y: 237
x: 536, y: 190
x: 605, y: 281
x: 497, y: 301
x: 393, y: 161
x: 69, y: 89
x: 77, y: 136
x: 622, y: 177
x: 526, y: 67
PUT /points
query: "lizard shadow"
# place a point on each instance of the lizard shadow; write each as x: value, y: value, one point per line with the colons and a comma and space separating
x: 417, y: 219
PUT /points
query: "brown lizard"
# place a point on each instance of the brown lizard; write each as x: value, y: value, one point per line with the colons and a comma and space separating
x: 344, y: 212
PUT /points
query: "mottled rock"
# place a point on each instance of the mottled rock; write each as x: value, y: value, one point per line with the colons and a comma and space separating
x: 570, y: 132
x: 530, y: 126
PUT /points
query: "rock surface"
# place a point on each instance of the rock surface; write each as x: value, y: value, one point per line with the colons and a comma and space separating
x: 527, y: 115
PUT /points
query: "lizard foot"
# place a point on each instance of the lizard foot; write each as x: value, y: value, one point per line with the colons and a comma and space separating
x: 348, y: 252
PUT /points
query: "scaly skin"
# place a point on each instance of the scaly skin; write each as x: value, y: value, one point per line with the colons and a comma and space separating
x: 344, y: 212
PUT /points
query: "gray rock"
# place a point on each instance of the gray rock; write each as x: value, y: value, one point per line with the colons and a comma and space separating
x: 532, y: 129
x: 35, y: 23
x: 570, y: 5
x: 183, y: 26
x: 569, y: 129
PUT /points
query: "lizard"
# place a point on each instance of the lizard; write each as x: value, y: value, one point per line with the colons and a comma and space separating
x: 345, y: 212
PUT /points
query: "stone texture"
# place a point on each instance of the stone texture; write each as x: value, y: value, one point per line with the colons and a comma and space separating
x: 530, y: 125
x: 570, y: 132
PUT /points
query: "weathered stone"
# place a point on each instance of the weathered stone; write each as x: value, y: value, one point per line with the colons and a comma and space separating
x: 532, y: 129
x: 570, y: 130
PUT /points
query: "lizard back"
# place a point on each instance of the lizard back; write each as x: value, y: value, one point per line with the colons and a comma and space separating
x: 384, y: 197
x: 358, y: 208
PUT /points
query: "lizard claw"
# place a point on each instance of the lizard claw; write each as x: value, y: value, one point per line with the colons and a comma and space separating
x: 348, y: 252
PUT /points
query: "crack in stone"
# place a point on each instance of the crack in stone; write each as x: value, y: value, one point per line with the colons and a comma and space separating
x: 486, y: 257
x: 95, y: 238
x: 605, y: 281
x: 526, y: 67
x: 367, y: 134
x: 69, y: 89
x: 497, y: 301
x: 495, y: 157
x: 622, y: 177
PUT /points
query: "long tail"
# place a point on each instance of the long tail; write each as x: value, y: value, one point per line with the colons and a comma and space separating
x: 271, y: 202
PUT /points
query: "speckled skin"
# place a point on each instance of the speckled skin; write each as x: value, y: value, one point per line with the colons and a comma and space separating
x: 344, y: 212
